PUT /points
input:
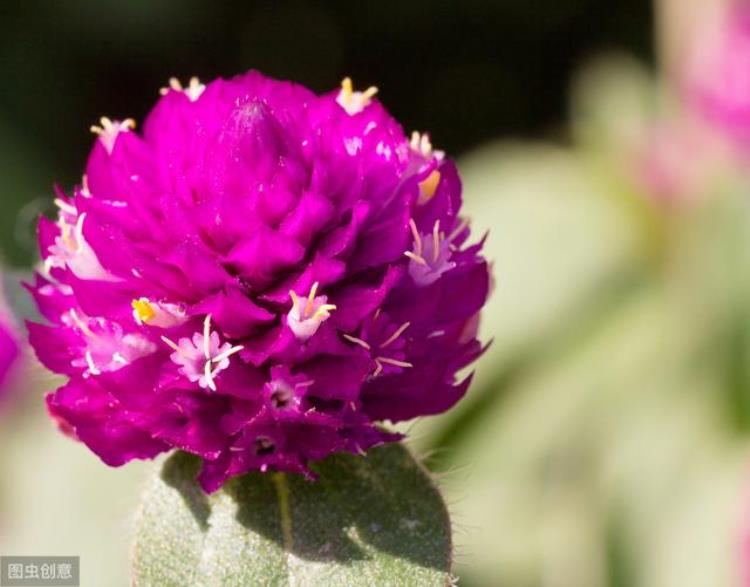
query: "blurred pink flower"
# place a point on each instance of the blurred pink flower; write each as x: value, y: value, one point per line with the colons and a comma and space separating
x: 674, y: 157
x: 717, y: 75
x: 664, y: 161
x: 743, y: 542
x: 9, y: 347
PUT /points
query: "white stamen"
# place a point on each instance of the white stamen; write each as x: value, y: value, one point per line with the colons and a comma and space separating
x: 117, y: 357
x: 193, y: 91
x: 202, y: 357
x: 90, y: 362
x: 459, y: 229
x: 79, y: 232
x: 354, y: 102
x: 110, y: 129
x: 173, y: 345
x: 388, y: 361
x: 71, y: 250
x: 394, y: 362
x: 417, y: 237
x: 85, y: 187
x: 159, y: 314
x: 65, y: 207
x: 416, y: 258
x: 305, y: 321
x: 430, y: 257
x: 436, y: 241
x: 399, y: 331
x: 209, y: 376
x: 206, y: 337
x: 228, y: 353
x: 82, y: 326
x: 420, y: 143
x: 359, y: 341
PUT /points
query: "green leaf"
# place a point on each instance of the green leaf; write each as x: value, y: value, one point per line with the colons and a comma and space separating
x: 563, y: 250
x: 374, y: 520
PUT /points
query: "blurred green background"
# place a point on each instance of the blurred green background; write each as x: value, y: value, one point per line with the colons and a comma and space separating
x: 605, y: 440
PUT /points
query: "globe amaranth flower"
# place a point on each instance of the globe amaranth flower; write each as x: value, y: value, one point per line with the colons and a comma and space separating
x: 258, y: 278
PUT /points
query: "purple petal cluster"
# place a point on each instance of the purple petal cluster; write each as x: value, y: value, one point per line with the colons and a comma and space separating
x: 257, y: 278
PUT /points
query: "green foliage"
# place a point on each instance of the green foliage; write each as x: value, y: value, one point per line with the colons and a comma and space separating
x: 606, y: 441
x: 377, y: 520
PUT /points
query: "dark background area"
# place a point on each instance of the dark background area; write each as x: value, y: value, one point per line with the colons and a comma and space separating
x: 467, y: 71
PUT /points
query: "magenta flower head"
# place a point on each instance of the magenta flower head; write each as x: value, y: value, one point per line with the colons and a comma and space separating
x: 257, y: 279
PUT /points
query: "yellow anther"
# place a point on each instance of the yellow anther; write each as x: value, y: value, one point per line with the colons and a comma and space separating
x: 305, y: 320
x: 295, y: 298
x: 347, y: 88
x: 67, y: 235
x: 428, y: 186
x: 158, y: 314
x: 143, y: 310
x: 322, y: 312
x: 370, y: 93
x: 351, y: 101
x: 310, y: 300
